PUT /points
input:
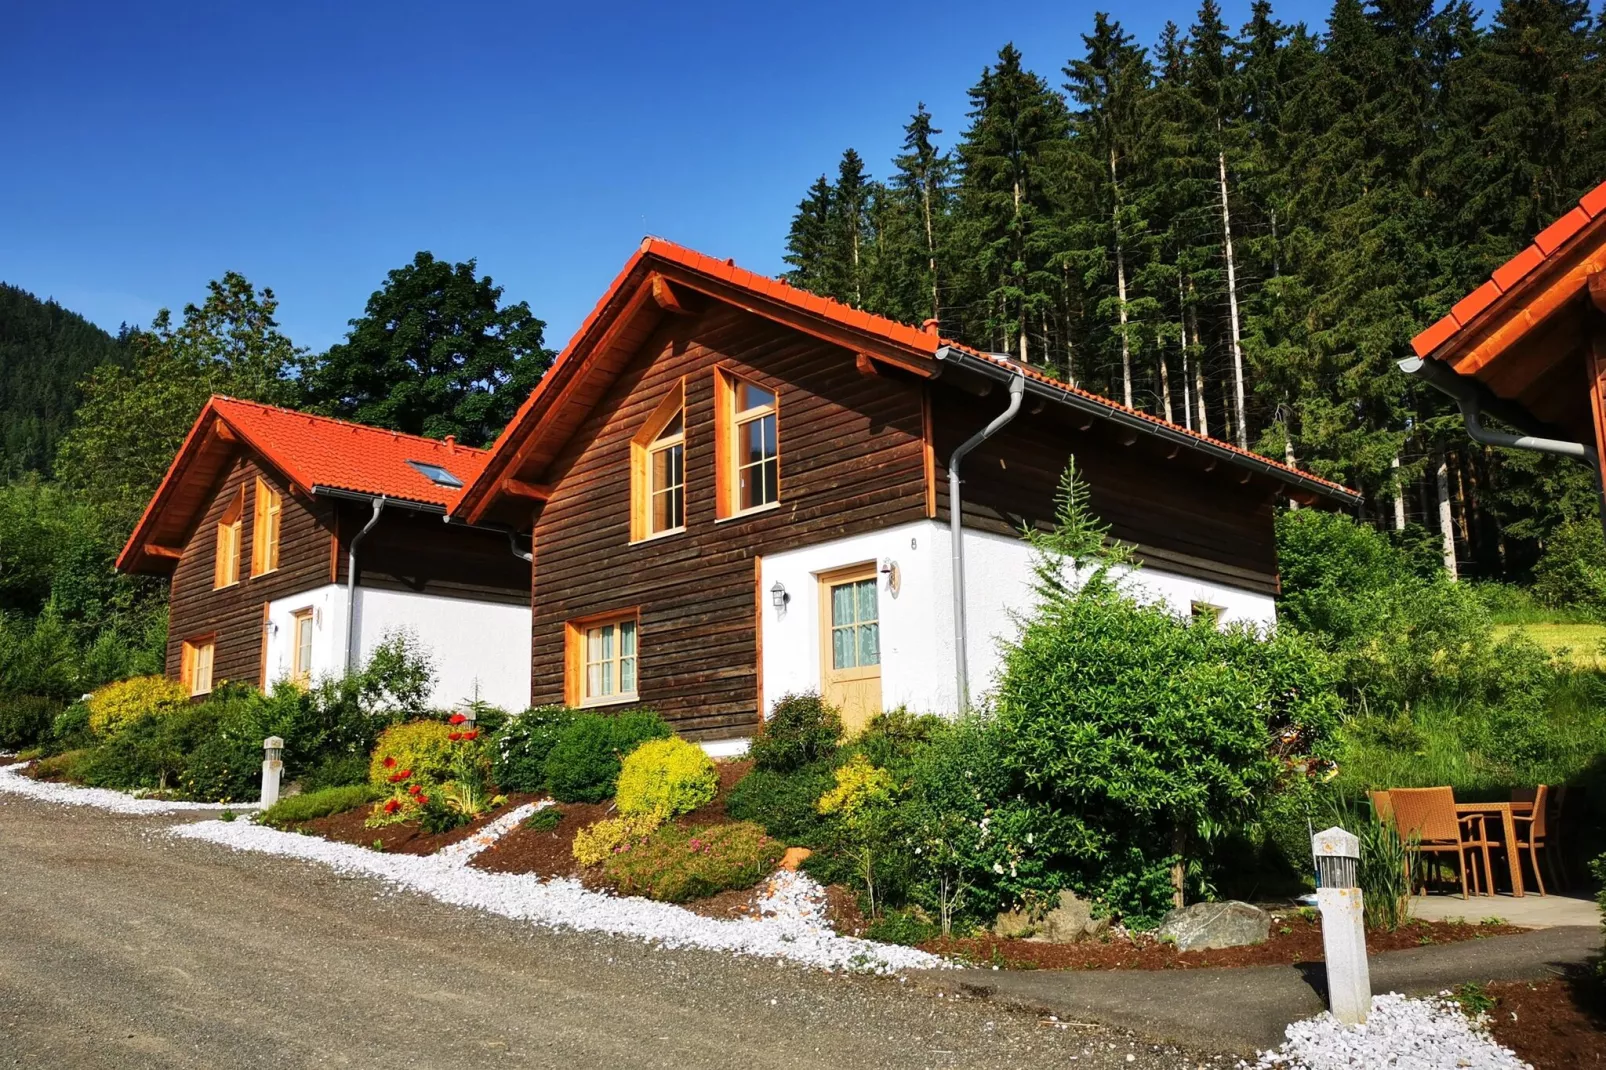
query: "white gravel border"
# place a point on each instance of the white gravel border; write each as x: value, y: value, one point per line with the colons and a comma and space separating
x: 790, y: 929
x: 1400, y: 1033
x: 12, y: 781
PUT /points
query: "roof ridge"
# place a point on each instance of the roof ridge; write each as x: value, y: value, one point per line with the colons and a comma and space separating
x: 354, y: 425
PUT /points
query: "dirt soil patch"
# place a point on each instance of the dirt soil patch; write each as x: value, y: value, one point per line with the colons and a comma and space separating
x: 1555, y: 1025
x: 545, y: 854
x: 407, y: 839
x: 1294, y: 939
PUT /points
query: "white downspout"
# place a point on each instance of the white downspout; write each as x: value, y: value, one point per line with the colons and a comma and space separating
x: 956, y: 536
x: 351, y: 582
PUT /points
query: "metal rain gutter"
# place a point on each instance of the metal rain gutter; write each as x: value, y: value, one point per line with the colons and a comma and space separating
x: 1469, y: 398
x: 351, y: 580
x: 1073, y: 400
x: 956, y: 531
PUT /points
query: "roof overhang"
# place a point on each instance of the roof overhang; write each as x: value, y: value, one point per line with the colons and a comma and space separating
x: 663, y: 279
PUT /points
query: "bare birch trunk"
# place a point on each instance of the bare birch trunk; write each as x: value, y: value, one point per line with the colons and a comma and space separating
x: 1232, y: 308
x: 1165, y: 388
x: 1288, y: 455
x: 1441, y: 479
x: 1399, y: 497
x: 1198, y: 367
x: 1120, y: 286
x: 931, y: 247
x: 1187, y: 386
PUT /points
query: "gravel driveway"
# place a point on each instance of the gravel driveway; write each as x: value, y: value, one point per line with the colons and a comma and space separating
x: 121, y: 947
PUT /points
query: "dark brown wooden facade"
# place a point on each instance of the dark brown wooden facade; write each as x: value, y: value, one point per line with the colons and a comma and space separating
x: 408, y: 550
x: 861, y: 448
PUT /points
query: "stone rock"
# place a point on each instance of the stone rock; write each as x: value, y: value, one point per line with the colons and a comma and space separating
x: 1205, y: 926
x: 1014, y: 925
x: 795, y: 857
x: 1068, y: 922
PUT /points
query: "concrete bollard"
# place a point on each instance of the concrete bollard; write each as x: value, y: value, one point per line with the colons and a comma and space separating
x: 272, y: 769
x: 1338, y: 897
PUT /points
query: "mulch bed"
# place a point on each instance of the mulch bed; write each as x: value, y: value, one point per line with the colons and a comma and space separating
x: 406, y: 839
x: 1556, y: 1025
x: 545, y: 854
x: 1294, y: 939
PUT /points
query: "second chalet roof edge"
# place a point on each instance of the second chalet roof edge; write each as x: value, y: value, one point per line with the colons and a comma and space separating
x: 915, y: 341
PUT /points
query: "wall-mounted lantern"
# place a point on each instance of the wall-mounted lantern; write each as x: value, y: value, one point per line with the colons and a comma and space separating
x: 889, y: 569
x: 778, y: 595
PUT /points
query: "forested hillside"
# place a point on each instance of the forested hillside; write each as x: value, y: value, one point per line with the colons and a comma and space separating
x: 1241, y: 230
x: 45, y: 352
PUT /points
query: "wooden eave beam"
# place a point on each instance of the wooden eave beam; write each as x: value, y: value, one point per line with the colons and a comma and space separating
x: 669, y: 297
x: 866, y: 365
x: 518, y: 488
x: 156, y: 549
x: 1597, y: 290
x: 799, y: 320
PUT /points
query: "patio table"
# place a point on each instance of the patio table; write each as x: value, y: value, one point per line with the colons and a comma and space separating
x: 1505, y: 810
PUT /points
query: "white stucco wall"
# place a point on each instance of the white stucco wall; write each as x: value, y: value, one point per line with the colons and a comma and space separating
x: 917, y: 647
x: 479, y: 648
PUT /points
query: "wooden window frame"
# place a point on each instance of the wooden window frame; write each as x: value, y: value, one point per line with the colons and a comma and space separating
x: 189, y: 664
x: 267, y: 515
x: 575, y: 664
x: 1201, y: 610
x: 300, y: 673
x: 866, y: 570
x: 643, y: 445
x: 727, y: 442
x: 226, y: 565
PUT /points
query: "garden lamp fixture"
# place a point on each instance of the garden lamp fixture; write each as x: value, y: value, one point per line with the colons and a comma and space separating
x: 1338, y: 895
x: 272, y: 769
x: 778, y: 595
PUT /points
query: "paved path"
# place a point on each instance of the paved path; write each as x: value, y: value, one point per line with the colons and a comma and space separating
x: 1534, y: 911
x: 120, y: 947
x: 1246, y: 1010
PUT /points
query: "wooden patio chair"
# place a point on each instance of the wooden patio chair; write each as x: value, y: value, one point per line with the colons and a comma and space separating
x: 1427, y: 822
x: 1381, y: 805
x: 1532, y: 831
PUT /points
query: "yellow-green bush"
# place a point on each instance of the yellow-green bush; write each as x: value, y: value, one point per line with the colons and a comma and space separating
x: 666, y: 777
x: 599, y: 841
x: 127, y: 701
x: 419, y: 749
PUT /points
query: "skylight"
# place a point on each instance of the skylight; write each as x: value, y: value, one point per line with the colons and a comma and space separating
x: 437, y: 475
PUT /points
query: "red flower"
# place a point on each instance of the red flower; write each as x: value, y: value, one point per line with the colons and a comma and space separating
x: 397, y: 778
x: 390, y: 763
x: 472, y: 734
x: 456, y: 718
x: 405, y: 773
x: 454, y: 736
x: 423, y: 800
x: 413, y: 789
x: 391, y: 806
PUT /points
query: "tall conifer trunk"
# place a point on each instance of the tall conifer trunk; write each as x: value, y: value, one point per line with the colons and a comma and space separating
x: 1239, y: 423
x: 1441, y: 478
x: 1198, y: 366
x: 1399, y: 497
x: 1187, y: 386
x: 1120, y: 285
x: 931, y: 247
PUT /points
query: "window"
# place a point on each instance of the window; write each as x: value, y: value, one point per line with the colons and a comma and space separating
x: 436, y: 474
x: 226, y: 569
x: 855, y: 625
x: 658, y: 470
x: 301, y: 653
x: 265, y: 532
x: 1206, y: 611
x: 602, y: 659
x: 195, y: 665
x: 748, y: 445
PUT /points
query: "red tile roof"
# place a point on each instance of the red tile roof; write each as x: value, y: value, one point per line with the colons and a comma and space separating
x: 316, y: 451
x: 914, y: 340
x: 1545, y: 246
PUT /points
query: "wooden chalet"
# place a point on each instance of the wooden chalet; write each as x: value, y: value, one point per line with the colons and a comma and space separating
x: 737, y: 489
x: 1529, y: 345
x: 258, y: 524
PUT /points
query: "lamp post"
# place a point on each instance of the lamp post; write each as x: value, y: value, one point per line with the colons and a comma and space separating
x: 1338, y: 897
x: 272, y: 769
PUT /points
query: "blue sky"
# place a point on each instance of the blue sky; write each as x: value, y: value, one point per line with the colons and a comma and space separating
x: 313, y: 147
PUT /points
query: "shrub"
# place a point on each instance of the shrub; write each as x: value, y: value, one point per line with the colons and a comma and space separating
x: 311, y: 805
x: 544, y: 820
x: 65, y: 765
x: 419, y: 749
x: 783, y: 803
x: 667, y: 777
x: 893, y: 737
x: 438, y: 816
x: 583, y: 765
x: 902, y: 927
x: 70, y: 730
x: 676, y: 864
x: 802, y: 729
x: 1572, y: 570
x: 863, y: 800
x: 520, y: 747
x: 129, y: 701
x: 25, y: 720
x: 601, y: 839
x: 337, y: 771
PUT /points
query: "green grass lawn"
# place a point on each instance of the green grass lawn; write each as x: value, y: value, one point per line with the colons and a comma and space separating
x: 1582, y: 640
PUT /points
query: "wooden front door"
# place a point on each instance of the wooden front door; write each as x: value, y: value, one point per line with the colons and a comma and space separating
x: 850, y: 644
